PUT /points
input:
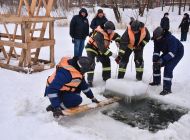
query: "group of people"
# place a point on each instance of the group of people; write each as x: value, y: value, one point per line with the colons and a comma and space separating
x: 66, y: 83
x: 184, y: 25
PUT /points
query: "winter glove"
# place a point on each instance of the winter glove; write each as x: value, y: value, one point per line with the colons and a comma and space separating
x: 73, y: 40
x: 114, y: 55
x: 94, y: 100
x: 157, y: 65
x: 57, y: 112
x: 118, y: 59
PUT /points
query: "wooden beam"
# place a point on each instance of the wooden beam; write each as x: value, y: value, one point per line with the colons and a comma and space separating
x: 13, y: 44
x: 39, y: 44
x: 4, y: 52
x: 51, y: 37
x: 44, y: 26
x: 14, y: 68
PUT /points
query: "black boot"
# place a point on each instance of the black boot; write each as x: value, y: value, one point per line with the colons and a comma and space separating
x: 165, y: 92
x: 90, y: 84
x: 49, y: 108
x: 154, y: 84
x: 139, y: 76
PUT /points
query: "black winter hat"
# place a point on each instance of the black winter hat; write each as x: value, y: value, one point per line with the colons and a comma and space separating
x: 135, y: 25
x: 85, y: 64
x: 109, y: 25
x: 186, y: 14
x: 83, y: 10
x: 158, y: 32
x: 100, y: 11
x: 166, y: 14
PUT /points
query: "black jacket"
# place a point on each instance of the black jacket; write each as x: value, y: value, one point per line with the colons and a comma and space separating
x: 165, y: 23
x: 98, y: 21
x: 79, y: 26
x: 185, y: 24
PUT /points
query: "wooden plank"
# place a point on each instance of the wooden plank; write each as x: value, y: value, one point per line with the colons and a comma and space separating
x: 27, y: 41
x: 15, y: 30
x: 44, y: 26
x: 41, y: 67
x: 14, y: 68
x: 32, y: 7
x: 27, y: 7
x: 4, y: 52
x: 13, y: 44
x: 39, y: 44
x: 23, y: 52
x: 51, y: 36
x: 37, y: 13
x: 18, y: 37
x: 87, y: 107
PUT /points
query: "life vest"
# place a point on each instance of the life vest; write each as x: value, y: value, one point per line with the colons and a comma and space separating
x: 76, y: 76
x: 132, y: 37
x: 107, y: 38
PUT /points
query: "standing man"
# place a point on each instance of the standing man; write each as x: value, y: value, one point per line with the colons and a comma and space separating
x: 99, y: 20
x: 184, y: 27
x: 98, y: 46
x: 172, y: 52
x: 165, y: 22
x: 79, y: 30
x: 134, y: 39
x: 66, y: 83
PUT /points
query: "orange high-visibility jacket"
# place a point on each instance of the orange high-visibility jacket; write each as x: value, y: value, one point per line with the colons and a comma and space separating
x: 132, y: 36
x: 76, y: 76
x: 107, y: 38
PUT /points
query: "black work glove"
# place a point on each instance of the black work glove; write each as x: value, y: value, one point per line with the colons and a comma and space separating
x: 157, y: 65
x: 94, y: 100
x: 73, y: 40
x: 57, y: 112
x: 118, y: 59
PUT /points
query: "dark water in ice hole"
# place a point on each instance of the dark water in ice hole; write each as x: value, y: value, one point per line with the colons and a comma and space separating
x: 146, y: 114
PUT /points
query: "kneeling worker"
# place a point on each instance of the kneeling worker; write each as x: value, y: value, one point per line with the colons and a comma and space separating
x: 66, y: 83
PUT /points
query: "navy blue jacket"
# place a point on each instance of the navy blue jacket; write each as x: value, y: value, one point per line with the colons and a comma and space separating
x: 165, y: 23
x: 98, y: 21
x: 79, y: 26
x: 62, y: 77
x: 170, y: 46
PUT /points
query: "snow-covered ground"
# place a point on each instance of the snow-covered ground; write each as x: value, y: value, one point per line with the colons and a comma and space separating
x: 22, y: 105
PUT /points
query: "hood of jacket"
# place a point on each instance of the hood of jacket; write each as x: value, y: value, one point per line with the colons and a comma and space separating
x: 83, y: 10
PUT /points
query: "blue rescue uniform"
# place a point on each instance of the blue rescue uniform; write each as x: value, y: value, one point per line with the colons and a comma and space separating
x: 172, y: 52
x: 62, y: 98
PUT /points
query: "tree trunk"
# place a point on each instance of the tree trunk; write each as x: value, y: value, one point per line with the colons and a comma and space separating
x: 116, y: 11
x: 185, y: 2
x: 162, y: 5
x: 172, y: 5
x: 148, y: 5
x: 179, y: 12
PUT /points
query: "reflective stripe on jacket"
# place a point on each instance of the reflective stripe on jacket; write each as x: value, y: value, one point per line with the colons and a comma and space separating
x: 107, y: 38
x: 76, y: 76
x: 132, y: 37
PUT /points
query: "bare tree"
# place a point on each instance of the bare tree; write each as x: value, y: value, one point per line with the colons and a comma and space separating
x: 180, y: 3
x: 116, y: 10
x: 172, y: 5
x: 185, y: 2
x: 162, y: 5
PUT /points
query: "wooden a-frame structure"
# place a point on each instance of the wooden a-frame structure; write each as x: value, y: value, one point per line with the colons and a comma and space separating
x: 26, y: 43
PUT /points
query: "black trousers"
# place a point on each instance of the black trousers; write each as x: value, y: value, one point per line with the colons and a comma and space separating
x: 138, y: 59
x: 184, y: 36
x: 105, y: 60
